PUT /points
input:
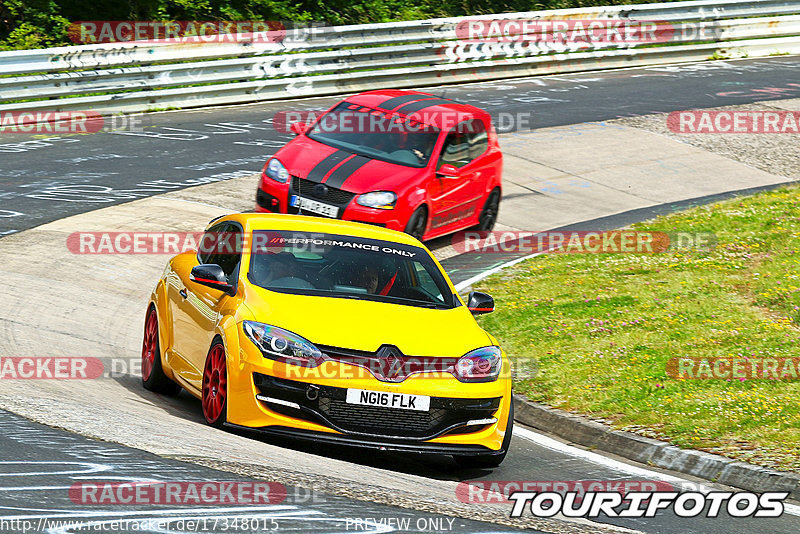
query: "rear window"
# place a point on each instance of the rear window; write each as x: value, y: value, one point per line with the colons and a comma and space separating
x: 347, y: 267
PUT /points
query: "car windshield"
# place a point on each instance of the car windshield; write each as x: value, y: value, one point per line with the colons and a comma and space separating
x: 348, y: 267
x: 376, y: 134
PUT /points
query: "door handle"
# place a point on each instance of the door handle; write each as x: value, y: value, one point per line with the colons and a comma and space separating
x: 183, y: 293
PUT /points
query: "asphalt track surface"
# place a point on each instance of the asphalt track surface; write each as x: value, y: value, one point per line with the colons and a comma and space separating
x: 40, y: 465
x: 48, y: 179
x: 51, y: 177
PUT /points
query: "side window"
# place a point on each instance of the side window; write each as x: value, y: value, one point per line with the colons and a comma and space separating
x: 455, y: 150
x: 426, y: 282
x: 208, y: 244
x: 478, y: 139
x: 469, y: 140
x: 222, y: 245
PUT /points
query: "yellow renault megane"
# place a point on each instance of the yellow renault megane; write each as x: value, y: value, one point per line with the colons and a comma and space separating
x: 331, y: 331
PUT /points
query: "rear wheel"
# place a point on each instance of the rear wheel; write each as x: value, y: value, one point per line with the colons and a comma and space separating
x: 417, y: 223
x: 488, y: 216
x: 215, y: 386
x: 490, y: 460
x: 153, y: 377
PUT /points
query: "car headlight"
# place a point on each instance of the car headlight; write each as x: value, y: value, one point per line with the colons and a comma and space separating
x: 277, y: 171
x: 281, y: 345
x: 384, y: 200
x: 479, y: 365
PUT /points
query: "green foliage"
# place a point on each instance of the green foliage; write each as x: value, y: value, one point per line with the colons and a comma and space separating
x: 31, y: 24
x: 43, y: 23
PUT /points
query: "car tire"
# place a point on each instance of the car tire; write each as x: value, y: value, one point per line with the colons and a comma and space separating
x: 417, y: 223
x: 153, y: 377
x: 215, y: 386
x: 488, y: 461
x: 488, y: 216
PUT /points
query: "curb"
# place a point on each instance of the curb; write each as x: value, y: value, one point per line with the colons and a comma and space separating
x: 711, y: 467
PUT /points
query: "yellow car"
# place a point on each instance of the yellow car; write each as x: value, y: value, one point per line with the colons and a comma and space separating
x: 332, y: 331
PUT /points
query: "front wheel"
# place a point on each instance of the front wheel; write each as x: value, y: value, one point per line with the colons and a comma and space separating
x: 488, y: 461
x: 215, y: 386
x: 418, y: 223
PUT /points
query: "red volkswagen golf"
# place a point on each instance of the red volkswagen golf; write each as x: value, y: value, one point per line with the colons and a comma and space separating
x: 404, y: 160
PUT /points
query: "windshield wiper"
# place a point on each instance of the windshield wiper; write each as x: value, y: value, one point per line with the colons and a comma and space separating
x: 421, y: 303
x: 368, y: 156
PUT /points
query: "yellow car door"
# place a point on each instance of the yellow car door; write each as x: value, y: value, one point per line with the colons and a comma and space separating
x: 196, y: 307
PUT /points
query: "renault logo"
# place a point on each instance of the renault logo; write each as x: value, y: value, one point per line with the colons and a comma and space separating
x: 391, y: 362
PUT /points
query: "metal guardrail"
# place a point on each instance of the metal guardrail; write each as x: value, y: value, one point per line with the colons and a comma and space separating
x: 141, y: 76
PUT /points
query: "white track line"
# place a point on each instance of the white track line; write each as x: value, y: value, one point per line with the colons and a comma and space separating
x: 616, y: 465
x: 478, y: 277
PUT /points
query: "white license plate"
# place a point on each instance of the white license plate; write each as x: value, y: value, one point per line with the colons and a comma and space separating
x: 320, y: 208
x: 402, y: 401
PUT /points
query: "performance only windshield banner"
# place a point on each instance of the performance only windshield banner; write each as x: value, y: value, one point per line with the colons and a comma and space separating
x: 270, y: 242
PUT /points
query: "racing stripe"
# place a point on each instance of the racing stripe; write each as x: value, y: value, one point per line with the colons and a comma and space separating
x: 392, y: 103
x: 408, y: 109
x: 326, y: 165
x: 338, y: 177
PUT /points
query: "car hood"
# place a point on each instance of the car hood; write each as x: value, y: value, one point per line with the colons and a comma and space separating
x: 366, y: 325
x: 303, y: 154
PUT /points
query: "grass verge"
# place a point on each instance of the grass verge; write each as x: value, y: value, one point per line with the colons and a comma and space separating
x: 603, y: 327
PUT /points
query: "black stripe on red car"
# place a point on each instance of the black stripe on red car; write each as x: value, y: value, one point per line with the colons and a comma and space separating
x: 338, y: 177
x: 413, y: 107
x: 392, y: 103
x: 326, y: 165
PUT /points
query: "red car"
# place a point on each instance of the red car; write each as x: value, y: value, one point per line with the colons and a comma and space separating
x: 404, y: 160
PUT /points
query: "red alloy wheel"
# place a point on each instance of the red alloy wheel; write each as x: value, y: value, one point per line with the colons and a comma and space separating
x: 215, y: 384
x: 149, y: 345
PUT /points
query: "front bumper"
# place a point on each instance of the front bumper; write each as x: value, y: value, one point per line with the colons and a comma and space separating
x: 326, y: 405
x: 273, y: 197
x: 281, y: 399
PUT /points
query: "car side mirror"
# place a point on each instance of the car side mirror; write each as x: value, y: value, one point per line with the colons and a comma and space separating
x: 212, y: 275
x: 450, y: 171
x: 299, y: 128
x: 480, y: 303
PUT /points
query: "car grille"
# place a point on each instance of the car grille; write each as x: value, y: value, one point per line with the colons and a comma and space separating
x: 380, y: 420
x: 335, y: 196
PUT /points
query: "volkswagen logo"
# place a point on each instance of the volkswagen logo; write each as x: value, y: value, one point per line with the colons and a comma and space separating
x: 320, y: 190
